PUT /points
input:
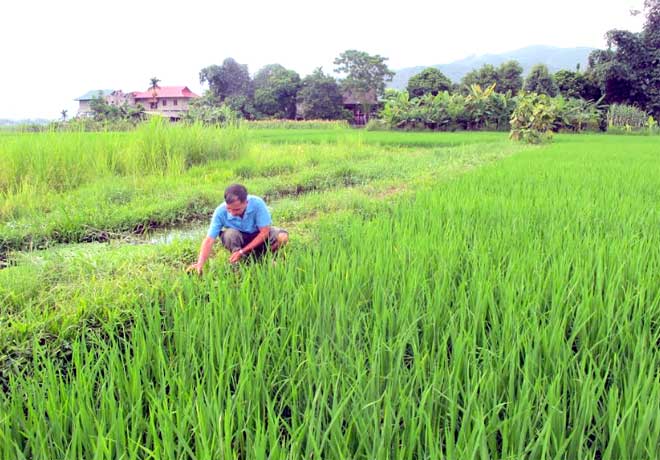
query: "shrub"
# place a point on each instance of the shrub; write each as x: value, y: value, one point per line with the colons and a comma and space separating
x: 376, y: 124
x: 577, y: 115
x: 533, y: 118
x: 626, y: 116
x: 295, y: 124
x: 216, y: 115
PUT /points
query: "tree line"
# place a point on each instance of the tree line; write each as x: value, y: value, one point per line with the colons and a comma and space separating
x: 278, y: 92
x: 626, y: 76
x: 627, y: 72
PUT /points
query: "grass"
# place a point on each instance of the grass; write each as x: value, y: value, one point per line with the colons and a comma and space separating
x: 510, y: 312
x: 125, y: 204
x: 52, y: 161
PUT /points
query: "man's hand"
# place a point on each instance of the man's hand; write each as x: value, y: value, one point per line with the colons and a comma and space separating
x: 195, y: 267
x: 236, y: 256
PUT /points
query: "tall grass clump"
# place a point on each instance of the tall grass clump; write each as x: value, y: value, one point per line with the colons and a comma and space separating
x: 159, y: 147
x: 295, y: 124
x: 55, y: 161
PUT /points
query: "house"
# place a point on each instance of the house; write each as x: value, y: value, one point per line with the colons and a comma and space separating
x: 168, y: 101
x: 357, y: 103
x: 111, y: 96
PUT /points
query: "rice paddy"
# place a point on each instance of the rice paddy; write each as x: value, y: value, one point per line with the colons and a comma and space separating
x: 444, y: 295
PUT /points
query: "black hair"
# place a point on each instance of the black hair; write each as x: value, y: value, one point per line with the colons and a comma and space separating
x: 235, y: 192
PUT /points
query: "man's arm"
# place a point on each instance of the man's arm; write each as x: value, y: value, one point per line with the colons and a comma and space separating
x: 204, y: 253
x: 260, y: 238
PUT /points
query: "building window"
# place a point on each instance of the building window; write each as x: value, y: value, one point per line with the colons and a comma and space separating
x: 176, y: 102
x: 164, y: 102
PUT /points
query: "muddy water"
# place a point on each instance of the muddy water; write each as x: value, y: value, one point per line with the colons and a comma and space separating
x: 168, y: 236
x: 158, y: 237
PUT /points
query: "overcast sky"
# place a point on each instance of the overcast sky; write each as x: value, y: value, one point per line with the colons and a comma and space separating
x: 55, y: 51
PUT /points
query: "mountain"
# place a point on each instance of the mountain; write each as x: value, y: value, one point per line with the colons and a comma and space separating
x: 4, y: 122
x: 555, y: 58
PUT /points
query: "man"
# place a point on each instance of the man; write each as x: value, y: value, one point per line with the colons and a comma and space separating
x: 244, y: 226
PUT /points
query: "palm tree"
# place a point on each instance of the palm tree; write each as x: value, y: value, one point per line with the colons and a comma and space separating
x: 64, y: 112
x: 154, y: 86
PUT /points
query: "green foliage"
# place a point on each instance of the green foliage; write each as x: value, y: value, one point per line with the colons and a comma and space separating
x: 521, y: 325
x: 207, y: 111
x: 485, y: 76
x: 509, y: 77
x: 506, y: 78
x: 540, y: 81
x: 428, y: 81
x: 577, y: 115
x: 104, y: 111
x: 376, y: 124
x: 65, y: 161
x: 363, y: 72
x: 229, y: 79
x: 533, y: 119
x: 626, y: 119
x: 275, y: 91
x: 577, y: 85
x: 296, y: 124
x: 481, y: 109
x: 628, y: 72
x: 242, y: 105
x: 486, y: 109
x: 88, y: 124
x: 320, y: 97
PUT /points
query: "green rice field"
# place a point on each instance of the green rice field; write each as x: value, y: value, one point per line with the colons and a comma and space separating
x: 443, y: 296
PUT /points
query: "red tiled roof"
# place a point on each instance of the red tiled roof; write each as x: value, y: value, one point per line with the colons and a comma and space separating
x: 165, y: 91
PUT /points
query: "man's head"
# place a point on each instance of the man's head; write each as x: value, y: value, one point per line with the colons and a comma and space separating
x: 236, y: 199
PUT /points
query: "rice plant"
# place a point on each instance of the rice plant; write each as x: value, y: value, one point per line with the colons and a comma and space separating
x: 513, y: 312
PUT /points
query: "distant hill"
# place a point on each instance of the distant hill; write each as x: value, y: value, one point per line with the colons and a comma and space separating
x: 5, y: 122
x: 555, y: 58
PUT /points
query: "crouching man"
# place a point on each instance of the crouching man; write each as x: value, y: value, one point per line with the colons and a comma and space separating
x: 243, y: 223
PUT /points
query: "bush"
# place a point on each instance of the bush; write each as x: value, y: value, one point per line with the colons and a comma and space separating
x: 576, y: 115
x: 376, y: 124
x: 627, y: 117
x: 481, y: 109
x: 295, y: 124
x: 533, y: 118
x: 214, y: 115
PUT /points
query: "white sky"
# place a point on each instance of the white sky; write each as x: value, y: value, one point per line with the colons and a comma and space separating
x: 54, y: 51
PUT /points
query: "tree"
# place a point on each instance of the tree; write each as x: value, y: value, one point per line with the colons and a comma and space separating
x: 576, y: 85
x: 64, y: 113
x: 509, y: 77
x: 569, y: 83
x: 101, y: 110
x: 428, y: 81
x: 229, y: 79
x: 154, y: 86
x: 363, y: 72
x: 320, y: 97
x: 275, y: 90
x: 485, y: 76
x: 651, y: 38
x: 540, y: 81
x: 628, y: 71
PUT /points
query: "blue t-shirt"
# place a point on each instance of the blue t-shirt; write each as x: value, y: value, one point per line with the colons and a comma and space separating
x: 256, y: 216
